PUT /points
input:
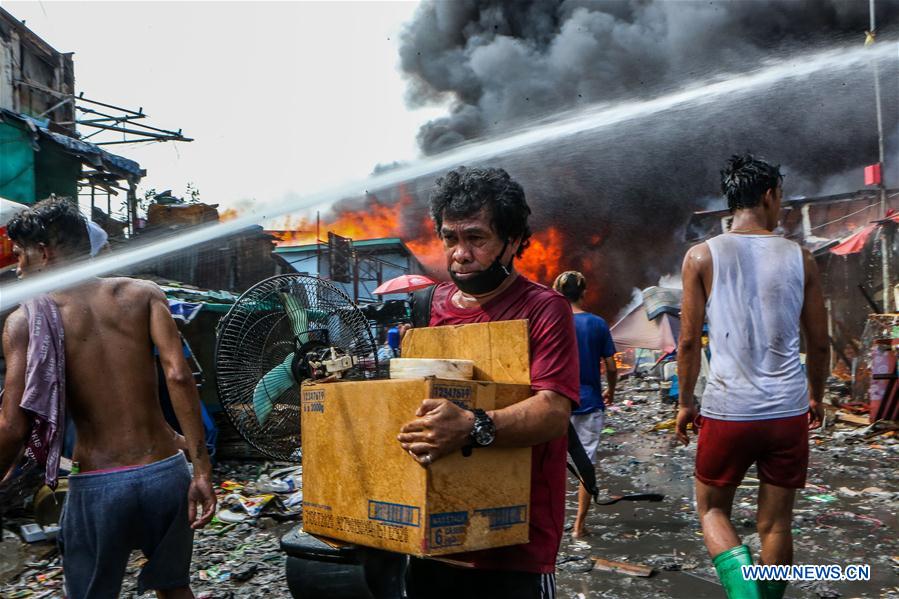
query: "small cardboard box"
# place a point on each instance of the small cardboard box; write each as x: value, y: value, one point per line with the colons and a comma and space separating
x: 360, y: 486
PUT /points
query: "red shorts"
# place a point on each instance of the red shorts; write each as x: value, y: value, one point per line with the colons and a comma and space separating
x: 726, y: 449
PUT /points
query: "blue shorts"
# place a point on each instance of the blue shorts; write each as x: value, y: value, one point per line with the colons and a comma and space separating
x: 107, y: 515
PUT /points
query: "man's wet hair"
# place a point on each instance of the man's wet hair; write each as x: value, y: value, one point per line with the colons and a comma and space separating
x: 745, y: 179
x: 55, y: 222
x: 463, y: 192
x: 571, y: 284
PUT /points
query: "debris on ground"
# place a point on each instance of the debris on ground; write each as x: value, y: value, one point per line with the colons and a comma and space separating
x: 622, y: 567
x: 230, y: 559
x: 849, y: 503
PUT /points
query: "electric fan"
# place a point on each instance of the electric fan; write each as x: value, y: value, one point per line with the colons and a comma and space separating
x: 283, y: 331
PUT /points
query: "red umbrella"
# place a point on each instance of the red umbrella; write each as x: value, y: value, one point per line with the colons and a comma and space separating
x: 404, y: 284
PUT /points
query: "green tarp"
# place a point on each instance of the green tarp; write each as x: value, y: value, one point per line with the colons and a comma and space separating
x: 16, y: 164
x: 27, y: 176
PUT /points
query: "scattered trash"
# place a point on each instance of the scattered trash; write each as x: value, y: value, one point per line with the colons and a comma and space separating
x: 852, y: 419
x: 246, y: 573
x: 230, y: 485
x: 665, y: 425
x: 215, y: 574
x: 576, y: 564
x: 824, y: 519
x: 231, y: 517
x: 813, y: 487
x: 631, y: 497
x: 824, y: 498
x: 269, y: 485
x: 295, y: 500
x: 253, y: 506
x: 622, y: 567
x: 51, y: 531
x: 32, y: 533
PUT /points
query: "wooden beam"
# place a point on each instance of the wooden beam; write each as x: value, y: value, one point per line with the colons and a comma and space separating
x: 622, y: 567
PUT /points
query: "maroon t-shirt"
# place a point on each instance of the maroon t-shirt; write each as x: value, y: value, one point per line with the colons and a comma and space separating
x: 554, y: 367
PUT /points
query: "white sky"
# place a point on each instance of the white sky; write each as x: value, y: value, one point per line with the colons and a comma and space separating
x: 279, y: 97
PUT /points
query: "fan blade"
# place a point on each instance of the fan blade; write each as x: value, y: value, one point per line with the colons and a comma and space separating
x: 298, y: 315
x: 275, y: 382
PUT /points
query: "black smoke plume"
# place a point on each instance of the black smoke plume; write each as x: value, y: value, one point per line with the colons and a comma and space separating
x: 622, y: 195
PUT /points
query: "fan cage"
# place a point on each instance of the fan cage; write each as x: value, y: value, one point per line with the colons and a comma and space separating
x: 261, y: 330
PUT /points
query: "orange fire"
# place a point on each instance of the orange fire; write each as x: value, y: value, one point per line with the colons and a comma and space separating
x: 373, y: 221
x: 228, y: 214
x: 541, y: 262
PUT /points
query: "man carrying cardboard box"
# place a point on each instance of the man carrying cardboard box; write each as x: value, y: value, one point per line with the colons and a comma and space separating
x: 481, y: 217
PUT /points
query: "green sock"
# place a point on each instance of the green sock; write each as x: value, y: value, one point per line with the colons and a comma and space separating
x: 773, y: 589
x: 728, y: 565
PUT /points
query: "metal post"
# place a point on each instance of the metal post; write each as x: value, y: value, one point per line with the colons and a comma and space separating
x: 355, y: 278
x: 132, y: 207
x: 885, y: 251
x: 884, y: 237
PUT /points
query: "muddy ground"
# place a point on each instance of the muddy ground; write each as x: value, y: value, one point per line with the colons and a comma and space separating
x: 831, y: 526
x: 847, y: 514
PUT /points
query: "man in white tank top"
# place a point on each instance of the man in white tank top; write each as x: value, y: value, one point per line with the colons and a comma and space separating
x: 757, y: 290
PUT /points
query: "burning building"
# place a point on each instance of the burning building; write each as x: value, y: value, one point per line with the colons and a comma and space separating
x: 382, y: 220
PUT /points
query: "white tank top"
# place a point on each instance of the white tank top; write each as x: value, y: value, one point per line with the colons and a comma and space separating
x: 758, y: 289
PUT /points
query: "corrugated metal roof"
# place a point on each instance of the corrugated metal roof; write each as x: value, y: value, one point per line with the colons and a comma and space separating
x: 363, y: 243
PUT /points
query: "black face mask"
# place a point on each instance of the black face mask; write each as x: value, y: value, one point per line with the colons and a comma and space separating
x: 486, y: 280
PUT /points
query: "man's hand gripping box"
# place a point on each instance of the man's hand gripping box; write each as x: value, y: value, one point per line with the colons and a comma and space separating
x: 360, y: 486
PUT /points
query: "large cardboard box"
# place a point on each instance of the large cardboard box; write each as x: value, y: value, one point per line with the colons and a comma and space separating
x: 360, y: 486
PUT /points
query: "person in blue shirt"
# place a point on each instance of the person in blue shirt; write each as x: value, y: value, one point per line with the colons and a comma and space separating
x: 393, y: 340
x: 595, y: 345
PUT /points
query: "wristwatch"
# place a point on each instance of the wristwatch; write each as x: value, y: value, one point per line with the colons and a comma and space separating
x: 483, y: 433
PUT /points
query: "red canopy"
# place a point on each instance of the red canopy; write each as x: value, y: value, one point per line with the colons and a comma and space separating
x: 404, y: 284
x: 856, y: 242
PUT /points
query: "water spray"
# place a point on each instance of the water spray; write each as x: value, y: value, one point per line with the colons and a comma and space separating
x: 580, y: 121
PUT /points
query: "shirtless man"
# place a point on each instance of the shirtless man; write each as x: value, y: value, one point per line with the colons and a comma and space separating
x: 758, y: 291
x: 135, y: 490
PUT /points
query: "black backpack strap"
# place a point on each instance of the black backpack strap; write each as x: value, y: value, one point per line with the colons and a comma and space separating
x: 583, y: 468
x: 421, y: 306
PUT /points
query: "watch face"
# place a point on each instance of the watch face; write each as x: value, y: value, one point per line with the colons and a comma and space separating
x: 484, y: 434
